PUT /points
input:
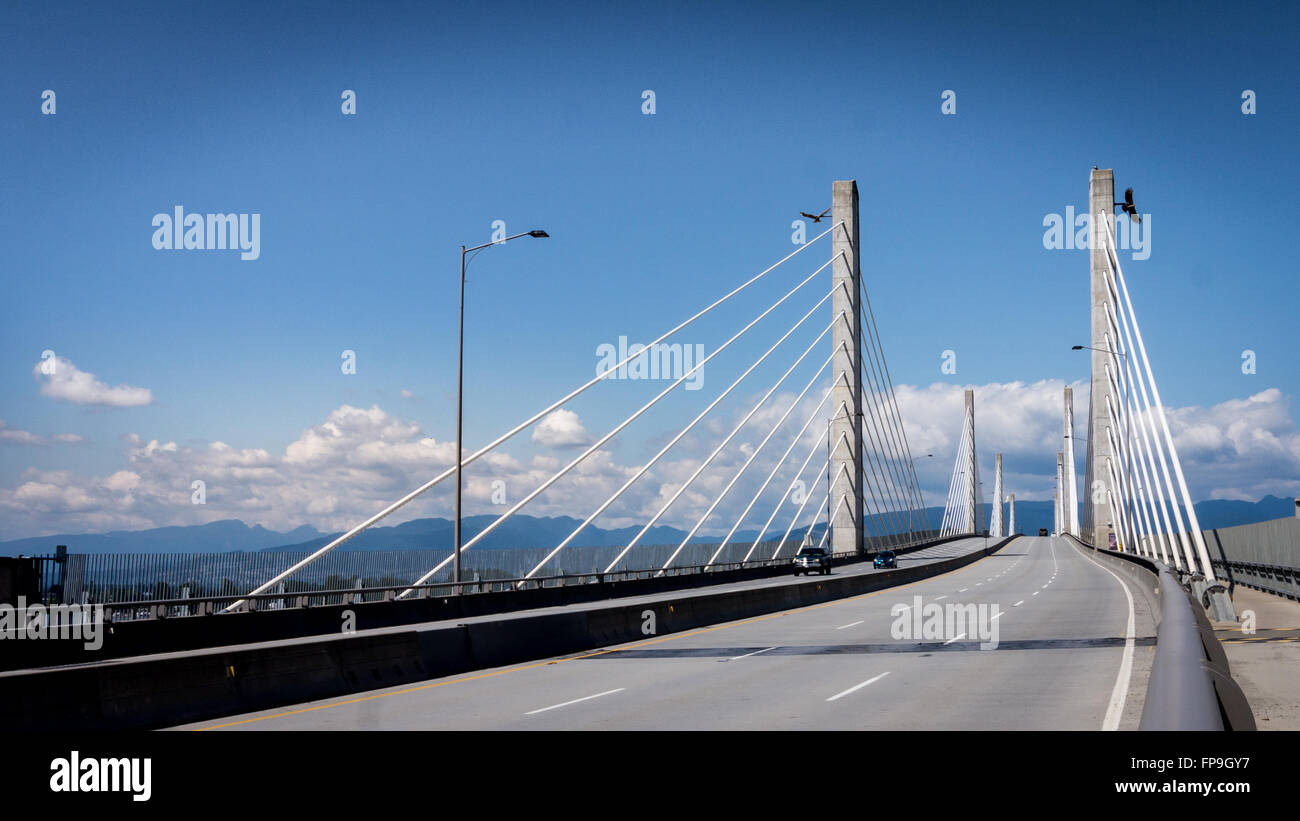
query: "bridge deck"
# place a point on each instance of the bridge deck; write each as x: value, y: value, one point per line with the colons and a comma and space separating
x: 832, y: 666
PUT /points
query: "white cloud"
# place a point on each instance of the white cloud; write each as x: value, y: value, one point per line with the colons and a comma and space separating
x: 1239, y: 449
x: 23, y: 437
x: 70, y: 384
x: 358, y: 460
x: 561, y: 429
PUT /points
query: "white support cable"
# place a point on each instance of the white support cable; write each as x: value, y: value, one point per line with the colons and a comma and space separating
x: 955, y: 485
x: 875, y: 331
x: 1117, y: 485
x: 1146, y: 426
x: 1158, y: 509
x: 881, y: 491
x: 1123, y: 485
x: 1110, y: 499
x: 1122, y: 432
x: 786, y: 493
x: 844, y: 437
x: 1195, y: 525
x: 873, y: 459
x: 1168, y: 534
x: 640, y: 472
x: 613, y: 432
x: 875, y: 360
x: 700, y: 469
x: 877, y: 498
x: 822, y: 541
x: 954, y: 488
x: 888, y: 446
x: 884, y: 442
x: 956, y: 491
x: 843, y: 471
x: 1135, y: 460
x: 466, y: 461
x: 1140, y: 461
x: 1149, y: 434
x: 727, y: 539
x: 713, y: 506
x: 893, y: 478
x: 1140, y: 445
x: 1125, y: 544
x: 1142, y: 523
x: 892, y: 437
x: 1120, y: 526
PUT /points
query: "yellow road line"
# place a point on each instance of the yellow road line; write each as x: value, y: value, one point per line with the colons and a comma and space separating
x: 647, y: 643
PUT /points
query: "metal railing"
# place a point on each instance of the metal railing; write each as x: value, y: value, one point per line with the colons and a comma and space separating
x: 204, y: 605
x: 1280, y: 580
x: 1190, y: 686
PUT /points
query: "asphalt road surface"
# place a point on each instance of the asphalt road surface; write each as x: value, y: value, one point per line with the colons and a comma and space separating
x: 1038, y: 636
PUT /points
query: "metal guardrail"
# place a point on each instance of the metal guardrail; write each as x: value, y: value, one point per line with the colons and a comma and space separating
x: 147, y: 609
x: 207, y: 605
x: 1190, y: 686
x: 1280, y: 580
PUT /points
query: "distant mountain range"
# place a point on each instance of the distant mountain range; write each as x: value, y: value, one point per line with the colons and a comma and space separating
x: 520, y: 531
x: 214, y: 537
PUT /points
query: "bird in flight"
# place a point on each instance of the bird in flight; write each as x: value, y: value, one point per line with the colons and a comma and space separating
x: 815, y: 217
x: 1128, y: 207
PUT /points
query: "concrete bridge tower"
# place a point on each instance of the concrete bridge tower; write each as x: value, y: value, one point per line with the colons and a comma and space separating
x: 846, y: 369
x: 1097, y: 514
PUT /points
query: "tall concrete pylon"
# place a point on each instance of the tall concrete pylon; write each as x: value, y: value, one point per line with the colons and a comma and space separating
x: 1060, y: 516
x: 995, y: 519
x: 1011, y: 509
x: 846, y: 368
x: 972, y: 493
x: 1097, y: 513
x: 1071, y: 489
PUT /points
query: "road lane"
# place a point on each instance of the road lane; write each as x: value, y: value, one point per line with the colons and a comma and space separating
x: 847, y: 664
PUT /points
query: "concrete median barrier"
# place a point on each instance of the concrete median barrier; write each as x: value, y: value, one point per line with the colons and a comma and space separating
x: 199, y: 685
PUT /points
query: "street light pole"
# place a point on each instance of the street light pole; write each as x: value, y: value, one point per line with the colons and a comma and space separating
x: 460, y: 395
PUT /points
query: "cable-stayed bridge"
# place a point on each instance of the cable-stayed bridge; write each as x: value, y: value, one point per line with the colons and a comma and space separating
x: 969, y: 626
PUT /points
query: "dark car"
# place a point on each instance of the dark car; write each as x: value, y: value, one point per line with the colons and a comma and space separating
x: 809, y: 559
x: 1042, y: 531
x: 886, y: 558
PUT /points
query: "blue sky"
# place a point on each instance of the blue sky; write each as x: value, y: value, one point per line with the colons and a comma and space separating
x: 507, y: 112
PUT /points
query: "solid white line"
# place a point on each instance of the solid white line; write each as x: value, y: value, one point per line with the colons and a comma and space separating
x: 575, y: 701
x: 756, y: 652
x: 1116, y: 709
x: 955, y: 638
x: 858, y: 687
x: 854, y: 624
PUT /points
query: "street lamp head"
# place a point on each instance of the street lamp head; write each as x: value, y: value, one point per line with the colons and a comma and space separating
x: 538, y: 234
x: 1077, y: 348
